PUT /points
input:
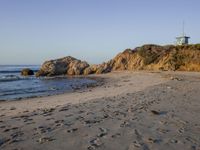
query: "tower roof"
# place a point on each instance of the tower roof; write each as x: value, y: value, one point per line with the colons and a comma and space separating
x: 179, y: 37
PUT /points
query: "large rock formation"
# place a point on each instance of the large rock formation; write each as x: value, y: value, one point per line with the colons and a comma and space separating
x: 181, y: 58
x: 155, y: 57
x: 63, y: 66
x: 147, y: 57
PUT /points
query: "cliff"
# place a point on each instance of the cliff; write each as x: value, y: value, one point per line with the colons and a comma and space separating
x: 146, y: 57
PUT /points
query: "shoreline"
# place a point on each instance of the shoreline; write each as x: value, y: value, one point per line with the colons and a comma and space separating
x: 103, y: 79
x: 93, y: 81
x: 99, y: 82
x: 131, y: 110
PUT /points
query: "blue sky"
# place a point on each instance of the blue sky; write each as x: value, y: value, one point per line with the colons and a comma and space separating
x: 32, y: 31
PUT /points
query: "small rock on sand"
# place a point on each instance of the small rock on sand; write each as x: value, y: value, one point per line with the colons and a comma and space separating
x: 155, y: 112
x: 13, y: 108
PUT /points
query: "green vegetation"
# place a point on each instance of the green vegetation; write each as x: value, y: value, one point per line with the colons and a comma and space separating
x: 149, y: 53
x: 175, y: 57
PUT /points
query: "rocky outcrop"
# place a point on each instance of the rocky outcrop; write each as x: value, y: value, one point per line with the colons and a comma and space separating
x: 98, y: 69
x: 27, y: 72
x: 171, y: 58
x: 155, y: 57
x: 63, y: 66
x: 146, y: 57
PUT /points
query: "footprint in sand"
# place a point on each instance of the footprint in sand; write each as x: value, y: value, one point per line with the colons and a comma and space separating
x: 163, y: 131
x: 153, y: 140
x: 6, y: 130
x: 14, y: 128
x: 43, y: 129
x: 16, y: 134
x: 50, y: 119
x: 181, y: 130
x: 116, y: 135
x: 2, y: 127
x: 91, y: 121
x: 94, y: 143
x: 139, y: 141
x: 12, y: 108
x: 174, y: 141
x: 64, y: 108
x: 45, y: 139
x: 134, y: 145
x: 125, y: 124
x: 48, y: 111
x: 25, y: 111
x: 69, y: 115
x: 29, y: 123
x: 155, y: 112
x: 80, y: 118
x: 28, y: 119
x: 59, y: 123
x: 15, y: 140
x: 103, y: 133
x: 72, y: 130
x: 4, y: 141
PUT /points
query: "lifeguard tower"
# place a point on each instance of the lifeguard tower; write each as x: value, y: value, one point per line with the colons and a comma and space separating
x: 182, y: 40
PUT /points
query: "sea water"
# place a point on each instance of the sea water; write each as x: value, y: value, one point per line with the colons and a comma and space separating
x: 14, y: 86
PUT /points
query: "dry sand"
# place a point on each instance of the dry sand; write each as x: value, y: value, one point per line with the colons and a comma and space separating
x: 131, y: 110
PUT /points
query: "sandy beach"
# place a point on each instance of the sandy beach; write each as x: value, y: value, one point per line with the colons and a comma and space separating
x: 128, y: 111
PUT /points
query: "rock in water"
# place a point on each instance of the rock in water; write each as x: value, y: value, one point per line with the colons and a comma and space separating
x: 67, y: 65
x: 27, y: 72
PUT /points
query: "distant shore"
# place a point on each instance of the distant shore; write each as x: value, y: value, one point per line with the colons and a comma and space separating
x: 129, y: 110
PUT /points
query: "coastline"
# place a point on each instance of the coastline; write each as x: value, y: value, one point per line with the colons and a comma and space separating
x: 17, y: 87
x: 103, y: 79
x: 129, y: 110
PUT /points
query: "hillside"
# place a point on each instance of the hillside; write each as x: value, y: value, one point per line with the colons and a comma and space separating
x: 155, y: 57
x: 146, y: 57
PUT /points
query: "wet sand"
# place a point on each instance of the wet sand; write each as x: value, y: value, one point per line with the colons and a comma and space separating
x: 130, y: 110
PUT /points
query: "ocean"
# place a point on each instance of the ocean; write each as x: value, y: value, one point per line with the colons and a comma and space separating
x: 13, y: 86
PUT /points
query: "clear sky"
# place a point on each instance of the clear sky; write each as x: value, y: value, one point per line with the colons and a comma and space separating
x: 32, y: 31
